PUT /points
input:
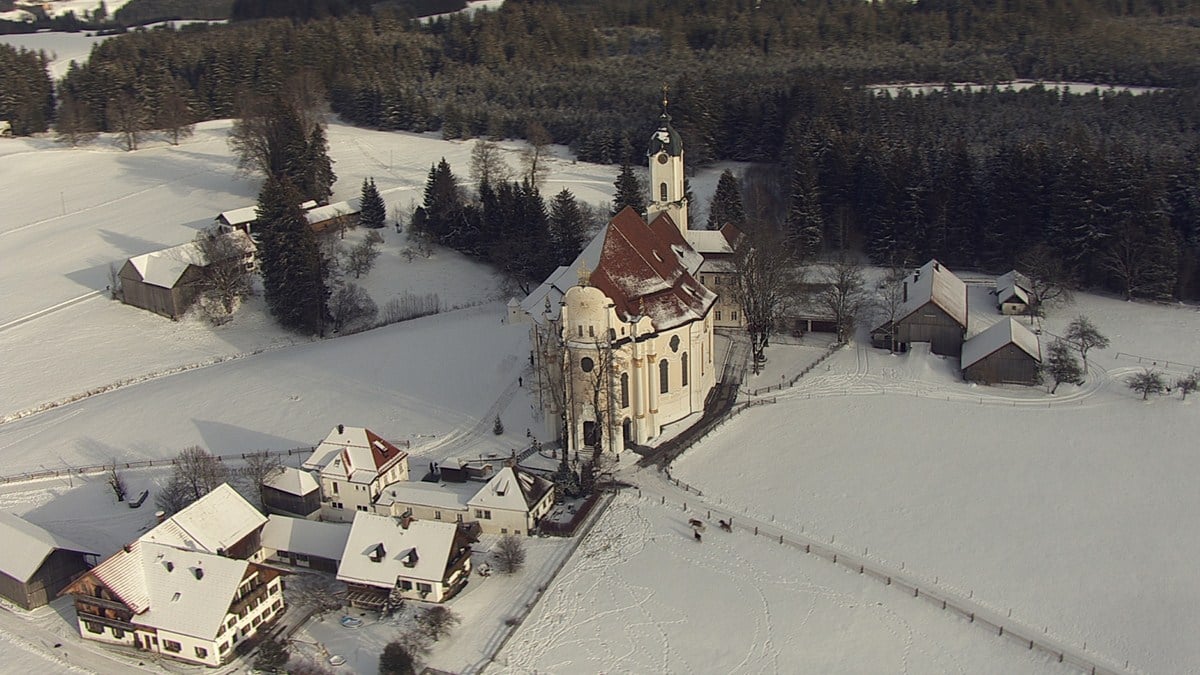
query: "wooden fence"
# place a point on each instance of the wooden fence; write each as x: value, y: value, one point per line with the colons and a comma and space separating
x: 997, y: 621
x: 1143, y: 360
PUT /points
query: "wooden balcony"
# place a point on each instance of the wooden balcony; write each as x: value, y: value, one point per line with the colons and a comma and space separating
x: 99, y: 602
x: 104, y: 620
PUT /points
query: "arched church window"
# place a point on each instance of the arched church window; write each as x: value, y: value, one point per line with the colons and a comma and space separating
x: 664, y: 376
x: 624, y: 390
x: 662, y: 192
x: 586, y: 364
x: 674, y: 343
x: 684, y: 360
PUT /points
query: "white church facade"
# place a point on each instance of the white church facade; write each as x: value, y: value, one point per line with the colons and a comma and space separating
x: 622, y: 340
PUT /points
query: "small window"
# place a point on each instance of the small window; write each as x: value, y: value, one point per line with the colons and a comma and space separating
x: 504, y: 530
x: 458, y: 517
x: 225, y: 646
x: 483, y: 513
x: 424, y: 588
x: 405, y: 585
x: 276, y: 605
x: 733, y: 316
x: 201, y: 653
x: 335, y: 487
x: 93, y: 627
x: 591, y: 331
x: 587, y: 364
x: 662, y: 192
x: 118, y: 633
x: 718, y: 315
x: 172, y: 646
x: 684, y: 369
x: 579, y: 330
x: 437, y: 515
x: 624, y: 390
x: 360, y: 507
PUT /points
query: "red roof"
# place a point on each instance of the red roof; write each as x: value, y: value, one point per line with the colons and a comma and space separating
x: 647, y: 270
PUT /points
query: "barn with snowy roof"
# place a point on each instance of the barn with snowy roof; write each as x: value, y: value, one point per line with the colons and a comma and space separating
x: 933, y: 309
x: 35, y: 564
x: 1006, y: 353
x: 166, y: 282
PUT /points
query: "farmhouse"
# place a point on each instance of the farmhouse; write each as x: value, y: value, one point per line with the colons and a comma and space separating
x: 183, y: 604
x: 334, y: 216
x: 1012, y: 293
x: 292, y: 492
x: 389, y: 557
x: 36, y: 565
x: 1007, y: 352
x: 444, y: 501
x: 221, y: 522
x: 304, y: 543
x: 513, y: 501
x: 166, y: 282
x: 933, y: 310
x: 354, y: 464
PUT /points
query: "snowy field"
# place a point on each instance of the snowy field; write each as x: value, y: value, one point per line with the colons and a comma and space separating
x: 1073, y: 511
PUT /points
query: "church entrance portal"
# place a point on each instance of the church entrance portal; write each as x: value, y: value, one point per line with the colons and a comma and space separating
x: 591, y: 434
x: 627, y: 432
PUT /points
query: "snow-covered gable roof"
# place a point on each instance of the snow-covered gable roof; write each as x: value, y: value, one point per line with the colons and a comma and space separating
x: 26, y: 546
x: 292, y: 481
x: 355, y: 454
x: 321, y: 214
x: 934, y: 283
x: 436, y: 495
x: 172, y: 589
x: 563, y: 278
x: 324, y: 540
x: 1012, y: 287
x: 512, y: 490
x: 647, y: 270
x: 714, y: 242
x: 999, y: 334
x: 164, y: 268
x: 212, y: 524
x: 432, y: 540
x: 246, y: 214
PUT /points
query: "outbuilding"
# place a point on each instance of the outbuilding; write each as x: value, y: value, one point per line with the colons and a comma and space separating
x: 292, y: 492
x: 1007, y: 352
x: 933, y: 310
x: 36, y: 565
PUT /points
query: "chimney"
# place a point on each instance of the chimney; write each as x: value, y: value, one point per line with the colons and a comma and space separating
x: 406, y: 519
x: 160, y: 516
x: 341, y: 429
x: 198, y: 573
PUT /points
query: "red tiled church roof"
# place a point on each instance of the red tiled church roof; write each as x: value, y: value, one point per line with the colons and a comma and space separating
x: 647, y: 269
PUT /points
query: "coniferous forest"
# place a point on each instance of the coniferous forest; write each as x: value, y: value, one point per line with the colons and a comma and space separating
x: 1108, y: 184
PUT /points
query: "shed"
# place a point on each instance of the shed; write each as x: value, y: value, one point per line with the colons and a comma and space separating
x: 292, y: 492
x: 36, y: 565
x: 166, y: 282
x: 934, y: 310
x: 304, y: 543
x: 1012, y: 293
x: 1007, y: 352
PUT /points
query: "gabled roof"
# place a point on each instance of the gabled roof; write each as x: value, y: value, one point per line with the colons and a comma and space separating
x: 354, y: 453
x: 932, y: 282
x: 386, y: 538
x: 164, y: 268
x: 715, y: 242
x: 647, y: 270
x: 246, y: 214
x: 321, y: 214
x: 310, y: 537
x: 512, y: 489
x: 1012, y: 287
x: 180, y: 591
x: 999, y: 334
x: 292, y: 481
x: 26, y: 546
x: 212, y: 524
x: 449, y: 496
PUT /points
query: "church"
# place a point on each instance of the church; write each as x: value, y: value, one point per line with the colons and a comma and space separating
x: 622, y: 340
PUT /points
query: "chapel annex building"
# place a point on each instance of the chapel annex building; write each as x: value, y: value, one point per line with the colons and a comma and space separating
x: 622, y: 340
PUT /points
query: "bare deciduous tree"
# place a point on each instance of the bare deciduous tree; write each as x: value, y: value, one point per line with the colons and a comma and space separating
x: 1050, y: 281
x: 889, y: 299
x: 843, y: 294
x: 74, y: 124
x: 766, y: 282
x: 437, y: 621
x: 535, y: 157
x: 488, y: 164
x: 1085, y: 336
x: 126, y: 115
x: 1061, y: 366
x: 1188, y: 384
x: 196, y: 474
x: 1147, y: 382
x: 258, y: 469
x: 114, y: 281
x: 351, y: 307
x: 510, y: 554
x: 225, y: 279
x: 116, y: 481
x: 176, y: 117
x: 361, y: 258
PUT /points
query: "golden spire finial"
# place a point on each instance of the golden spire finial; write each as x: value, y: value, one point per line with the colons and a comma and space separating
x: 665, y: 87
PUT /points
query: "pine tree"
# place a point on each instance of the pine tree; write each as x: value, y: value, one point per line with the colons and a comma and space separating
x: 567, y: 234
x: 372, y: 212
x: 443, y: 202
x: 292, y: 269
x: 629, y: 192
x: 726, y: 207
x: 805, y: 223
x: 317, y: 172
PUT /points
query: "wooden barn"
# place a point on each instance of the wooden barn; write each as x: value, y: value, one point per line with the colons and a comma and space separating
x: 1005, y: 353
x: 1012, y: 293
x: 934, y: 310
x: 166, y: 282
x: 292, y: 492
x: 36, y: 565
x: 304, y: 543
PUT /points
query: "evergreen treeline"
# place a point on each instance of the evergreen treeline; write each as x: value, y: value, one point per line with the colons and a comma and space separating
x: 26, y: 93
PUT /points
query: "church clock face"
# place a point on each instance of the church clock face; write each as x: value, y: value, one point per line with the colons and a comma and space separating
x: 662, y: 158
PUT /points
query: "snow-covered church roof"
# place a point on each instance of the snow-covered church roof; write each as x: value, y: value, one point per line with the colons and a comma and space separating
x: 545, y: 301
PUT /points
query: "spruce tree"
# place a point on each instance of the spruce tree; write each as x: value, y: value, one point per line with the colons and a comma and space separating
x: 317, y: 172
x: 726, y: 207
x: 443, y: 202
x: 292, y: 270
x: 567, y: 234
x: 372, y: 212
x: 805, y: 223
x: 629, y: 192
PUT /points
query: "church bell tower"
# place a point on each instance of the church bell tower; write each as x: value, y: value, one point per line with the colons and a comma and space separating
x: 665, y: 155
